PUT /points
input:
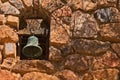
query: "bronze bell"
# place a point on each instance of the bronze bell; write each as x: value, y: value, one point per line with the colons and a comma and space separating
x: 32, y: 49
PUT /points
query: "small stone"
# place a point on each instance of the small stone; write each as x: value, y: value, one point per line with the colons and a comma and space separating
x: 86, y: 5
x: 110, y: 32
x: 109, y: 59
x: 116, y: 48
x: 25, y: 66
x: 91, y: 47
x: 1, y: 57
x: 28, y: 3
x: 7, y: 35
x: 2, y: 19
x: 1, y: 47
x: 4, y: 1
x: 8, y: 63
x: 9, y: 50
x: 103, y: 74
x: 66, y: 75
x: 7, y: 75
x: 7, y: 8
x: 38, y: 76
x: 59, y: 33
x: 17, y: 3
x: 55, y: 54
x: 76, y: 62
x: 83, y: 26
x: 13, y: 21
x: 107, y: 15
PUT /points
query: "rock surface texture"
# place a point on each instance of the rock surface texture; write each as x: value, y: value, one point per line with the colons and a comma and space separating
x: 84, y: 39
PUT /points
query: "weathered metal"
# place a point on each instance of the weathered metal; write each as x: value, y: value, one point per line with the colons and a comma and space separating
x: 32, y: 48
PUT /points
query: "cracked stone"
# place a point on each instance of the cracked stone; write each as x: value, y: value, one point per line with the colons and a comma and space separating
x: 7, y: 8
x: 76, y: 62
x: 103, y: 74
x: 91, y: 47
x: 83, y: 25
x: 17, y: 3
x: 110, y: 32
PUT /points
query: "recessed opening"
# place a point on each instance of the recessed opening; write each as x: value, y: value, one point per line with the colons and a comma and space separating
x: 37, y: 27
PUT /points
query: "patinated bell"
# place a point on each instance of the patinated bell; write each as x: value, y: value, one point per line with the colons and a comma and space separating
x: 32, y: 50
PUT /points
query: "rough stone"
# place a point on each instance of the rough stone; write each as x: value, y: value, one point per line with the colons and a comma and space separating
x: 116, y: 48
x: 78, y: 63
x: 91, y: 47
x: 1, y: 57
x: 13, y: 21
x: 17, y: 3
x: 55, y: 54
x: 7, y: 75
x: 110, y: 32
x: 59, y: 33
x: 7, y: 35
x: 51, y: 5
x: 83, y: 25
x: 9, y: 50
x: 103, y: 74
x: 106, y: 15
x: 66, y: 75
x: 62, y: 12
x: 4, y: 1
x: 109, y: 59
x: 66, y: 50
x: 8, y: 63
x: 39, y: 76
x: 25, y: 66
x: 1, y: 47
x: 2, y: 19
x: 85, y: 5
x: 7, y: 8
x: 28, y: 3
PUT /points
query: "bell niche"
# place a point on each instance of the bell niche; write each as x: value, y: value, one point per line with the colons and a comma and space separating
x: 34, y: 36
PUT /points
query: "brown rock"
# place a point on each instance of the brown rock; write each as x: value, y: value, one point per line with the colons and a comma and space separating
x: 8, y: 63
x: 1, y: 47
x: 17, y: 3
x: 106, y: 3
x: 116, y: 48
x: 66, y: 75
x: 13, y: 21
x: 55, y: 54
x: 64, y: 11
x: 103, y: 74
x: 59, y: 33
x: 109, y: 59
x: 91, y: 47
x: 7, y: 75
x: 83, y: 25
x: 7, y: 35
x: 85, y: 5
x: 51, y: 5
x: 28, y: 3
x: 66, y: 50
x: 7, y: 8
x: 38, y: 76
x: 2, y: 19
x: 1, y: 57
x: 4, y: 1
x: 110, y: 32
x: 9, y: 50
x: 78, y: 63
x: 24, y: 66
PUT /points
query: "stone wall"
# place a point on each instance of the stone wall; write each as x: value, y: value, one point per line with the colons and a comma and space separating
x: 84, y: 40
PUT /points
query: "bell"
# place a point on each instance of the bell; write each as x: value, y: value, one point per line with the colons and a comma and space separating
x: 32, y: 50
